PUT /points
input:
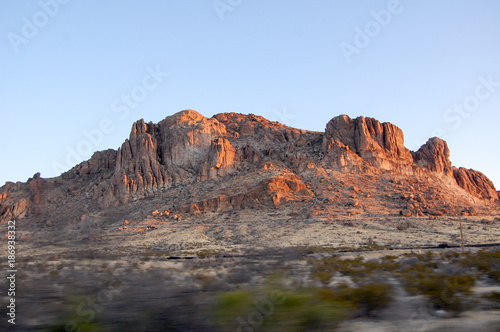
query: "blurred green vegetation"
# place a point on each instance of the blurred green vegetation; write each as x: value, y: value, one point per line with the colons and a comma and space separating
x: 279, y: 309
x: 444, y: 279
x: 308, y: 292
x: 77, y: 317
x: 443, y: 291
x: 485, y: 262
x: 326, y: 268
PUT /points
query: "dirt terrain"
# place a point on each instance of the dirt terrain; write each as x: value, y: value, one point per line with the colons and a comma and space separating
x: 172, y: 278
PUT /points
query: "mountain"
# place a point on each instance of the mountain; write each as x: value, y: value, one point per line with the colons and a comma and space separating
x: 188, y: 165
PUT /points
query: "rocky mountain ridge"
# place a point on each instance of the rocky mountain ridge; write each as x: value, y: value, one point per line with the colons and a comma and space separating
x: 193, y: 165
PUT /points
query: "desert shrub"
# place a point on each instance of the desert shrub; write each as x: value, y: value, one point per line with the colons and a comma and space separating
x: 323, y: 275
x: 356, y: 268
x: 230, y: 305
x: 350, y: 265
x: 429, y: 259
x: 306, y: 310
x: 367, y: 298
x: 207, y: 253
x: 324, y: 269
x: 493, y: 297
x: 443, y: 291
x: 449, y: 255
x: 485, y: 262
x: 74, y: 320
x: 381, y: 265
x: 271, y: 309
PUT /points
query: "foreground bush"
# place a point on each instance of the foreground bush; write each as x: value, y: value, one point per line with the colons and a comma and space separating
x: 487, y: 263
x: 367, y: 298
x: 443, y: 292
x: 265, y: 309
x: 278, y: 308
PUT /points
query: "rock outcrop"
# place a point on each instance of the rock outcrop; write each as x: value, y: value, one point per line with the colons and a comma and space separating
x: 434, y: 156
x: 350, y: 143
x: 15, y: 211
x: 379, y: 144
x: 236, y: 161
x: 259, y: 127
x: 100, y: 161
x: 475, y: 183
x: 220, y: 160
x: 267, y: 191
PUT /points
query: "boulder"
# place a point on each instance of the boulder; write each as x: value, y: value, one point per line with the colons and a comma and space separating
x: 405, y: 213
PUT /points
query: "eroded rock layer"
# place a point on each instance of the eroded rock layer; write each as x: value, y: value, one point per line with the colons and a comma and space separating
x: 234, y: 161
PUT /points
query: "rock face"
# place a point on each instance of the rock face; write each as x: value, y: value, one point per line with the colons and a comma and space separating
x: 171, y: 152
x: 220, y: 160
x: 268, y: 192
x: 101, y: 161
x: 379, y: 144
x: 475, y: 183
x: 434, y: 156
x: 234, y: 161
x: 15, y: 211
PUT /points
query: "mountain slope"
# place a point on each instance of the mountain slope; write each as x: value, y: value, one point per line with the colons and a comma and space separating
x: 190, y: 164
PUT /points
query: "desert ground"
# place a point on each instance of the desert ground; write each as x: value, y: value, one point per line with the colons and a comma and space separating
x: 170, y: 275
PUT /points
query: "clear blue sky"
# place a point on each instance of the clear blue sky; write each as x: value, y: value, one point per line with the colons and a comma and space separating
x: 64, y: 69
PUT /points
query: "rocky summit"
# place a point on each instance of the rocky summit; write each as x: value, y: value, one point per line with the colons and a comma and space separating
x: 189, y: 165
